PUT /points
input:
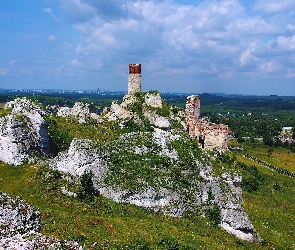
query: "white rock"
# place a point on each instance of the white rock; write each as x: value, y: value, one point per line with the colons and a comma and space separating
x: 153, y: 100
x: 23, y: 132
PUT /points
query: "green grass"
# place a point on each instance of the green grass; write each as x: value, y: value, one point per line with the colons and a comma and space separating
x: 281, y: 157
x: 110, y: 224
x: 272, y: 209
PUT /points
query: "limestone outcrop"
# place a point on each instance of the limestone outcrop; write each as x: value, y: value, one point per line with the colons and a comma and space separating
x: 135, y: 107
x: 163, y: 193
x: 20, y: 228
x: 79, y: 111
x: 23, y: 132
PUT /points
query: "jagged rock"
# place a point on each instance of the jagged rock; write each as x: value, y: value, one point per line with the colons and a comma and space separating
x: 128, y: 100
x: 157, y: 120
x: 153, y: 100
x: 81, y: 156
x: 79, y: 111
x: 23, y: 132
x: 224, y: 191
x: 227, y: 193
x: 19, y: 222
x: 119, y: 113
x: 37, y: 242
x: 16, y: 217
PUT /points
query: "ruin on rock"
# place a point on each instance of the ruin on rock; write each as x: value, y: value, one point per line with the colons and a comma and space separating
x: 209, y: 135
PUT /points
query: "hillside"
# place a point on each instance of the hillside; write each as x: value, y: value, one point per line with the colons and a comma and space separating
x: 133, y: 178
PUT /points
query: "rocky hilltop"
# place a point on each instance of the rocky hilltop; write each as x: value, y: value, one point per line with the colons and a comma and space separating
x: 152, y: 162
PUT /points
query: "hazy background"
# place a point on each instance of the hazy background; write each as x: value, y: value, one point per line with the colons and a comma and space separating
x: 230, y: 46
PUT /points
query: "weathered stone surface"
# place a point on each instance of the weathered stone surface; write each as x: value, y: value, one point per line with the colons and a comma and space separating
x: 214, y: 136
x: 153, y: 100
x: 16, y: 217
x: 79, y: 111
x: 19, y: 222
x: 226, y: 190
x: 119, y: 112
x: 81, y: 156
x: 157, y: 120
x: 209, y: 135
x: 23, y: 132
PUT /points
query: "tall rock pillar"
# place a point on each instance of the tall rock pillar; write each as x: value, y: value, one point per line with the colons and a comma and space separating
x: 134, y: 78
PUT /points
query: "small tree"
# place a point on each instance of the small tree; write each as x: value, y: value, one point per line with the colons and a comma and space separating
x: 270, y: 151
x: 86, y: 189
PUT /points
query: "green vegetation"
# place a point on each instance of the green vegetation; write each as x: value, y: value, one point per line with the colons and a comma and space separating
x: 86, y: 189
x: 98, y: 223
x: 4, y: 112
x: 103, y: 224
x: 146, y: 166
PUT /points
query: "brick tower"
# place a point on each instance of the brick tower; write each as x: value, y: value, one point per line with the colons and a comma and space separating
x: 134, y: 78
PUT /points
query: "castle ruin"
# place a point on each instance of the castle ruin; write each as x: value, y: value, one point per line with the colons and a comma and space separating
x: 134, y: 78
x: 209, y: 135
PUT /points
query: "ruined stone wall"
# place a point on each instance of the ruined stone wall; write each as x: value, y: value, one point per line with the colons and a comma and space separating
x: 209, y: 135
x: 193, y: 113
x: 134, y: 78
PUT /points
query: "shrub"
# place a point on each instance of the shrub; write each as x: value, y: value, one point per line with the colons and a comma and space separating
x: 60, y: 137
x: 168, y: 244
x: 86, y: 189
x: 250, y: 184
x: 214, y: 214
x: 277, y: 187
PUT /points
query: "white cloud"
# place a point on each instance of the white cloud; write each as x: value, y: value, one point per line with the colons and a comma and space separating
x: 2, y: 72
x: 269, y: 67
x: 50, y: 12
x: 51, y: 38
x: 213, y: 39
x: 74, y: 62
x: 274, y: 6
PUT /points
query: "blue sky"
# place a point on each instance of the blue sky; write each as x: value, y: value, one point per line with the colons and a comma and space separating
x: 196, y: 46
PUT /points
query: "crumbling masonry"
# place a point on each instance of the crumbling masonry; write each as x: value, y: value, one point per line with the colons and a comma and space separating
x: 134, y: 78
x: 209, y: 135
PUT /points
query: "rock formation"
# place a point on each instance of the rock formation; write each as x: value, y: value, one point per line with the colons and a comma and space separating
x: 23, y: 132
x: 205, y: 190
x: 162, y: 169
x: 79, y: 111
x: 19, y: 222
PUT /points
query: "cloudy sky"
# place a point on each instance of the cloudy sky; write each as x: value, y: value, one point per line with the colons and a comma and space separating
x: 228, y: 46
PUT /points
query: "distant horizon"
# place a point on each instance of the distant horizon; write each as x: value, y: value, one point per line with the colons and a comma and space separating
x: 206, y: 46
x: 125, y: 91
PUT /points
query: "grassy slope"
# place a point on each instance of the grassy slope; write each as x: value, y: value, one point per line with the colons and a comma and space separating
x: 105, y: 222
x: 110, y: 224
x: 271, y: 207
